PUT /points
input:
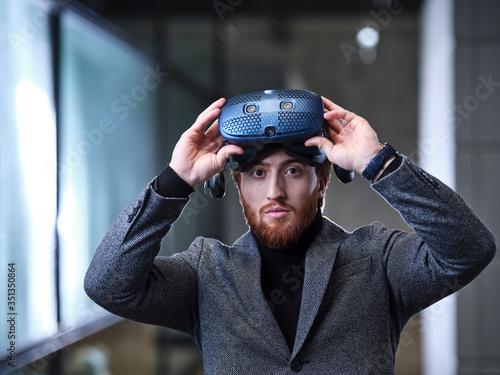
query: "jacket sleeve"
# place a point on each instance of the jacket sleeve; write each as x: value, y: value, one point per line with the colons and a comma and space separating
x: 449, y: 248
x: 127, y: 278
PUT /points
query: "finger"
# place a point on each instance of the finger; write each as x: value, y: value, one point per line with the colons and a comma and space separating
x: 213, y: 131
x: 340, y: 114
x: 334, y: 126
x: 335, y: 111
x: 227, y: 151
x: 334, y: 123
x: 329, y: 105
x: 217, y: 104
x: 213, y: 146
x: 208, y: 115
x: 320, y: 142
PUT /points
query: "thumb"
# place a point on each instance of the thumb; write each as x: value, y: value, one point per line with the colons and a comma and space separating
x: 321, y: 142
x: 227, y: 151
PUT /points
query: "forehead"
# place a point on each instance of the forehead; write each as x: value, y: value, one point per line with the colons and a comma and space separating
x: 276, y: 156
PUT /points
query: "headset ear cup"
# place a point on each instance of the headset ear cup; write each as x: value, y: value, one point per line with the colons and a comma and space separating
x: 343, y: 175
x: 215, y: 187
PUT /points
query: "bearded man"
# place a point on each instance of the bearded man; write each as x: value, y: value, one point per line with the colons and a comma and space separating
x: 297, y: 293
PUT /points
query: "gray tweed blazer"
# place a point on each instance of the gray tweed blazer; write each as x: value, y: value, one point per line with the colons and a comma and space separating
x: 360, y: 288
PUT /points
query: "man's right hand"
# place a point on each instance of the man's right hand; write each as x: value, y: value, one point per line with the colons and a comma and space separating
x: 199, y: 155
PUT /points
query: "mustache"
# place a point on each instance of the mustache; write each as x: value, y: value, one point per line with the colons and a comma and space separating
x: 276, y: 204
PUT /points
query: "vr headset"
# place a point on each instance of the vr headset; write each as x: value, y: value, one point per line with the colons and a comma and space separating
x: 286, y: 117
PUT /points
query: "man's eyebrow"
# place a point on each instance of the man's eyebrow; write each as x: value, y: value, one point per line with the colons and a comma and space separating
x: 283, y: 163
x: 292, y: 161
x: 261, y: 163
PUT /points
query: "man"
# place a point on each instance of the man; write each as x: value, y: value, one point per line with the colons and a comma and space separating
x: 296, y: 293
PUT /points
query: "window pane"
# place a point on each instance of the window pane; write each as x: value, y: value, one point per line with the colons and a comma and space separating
x: 107, y: 146
x: 27, y: 170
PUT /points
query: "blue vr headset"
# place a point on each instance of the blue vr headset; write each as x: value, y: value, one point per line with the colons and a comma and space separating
x: 286, y: 117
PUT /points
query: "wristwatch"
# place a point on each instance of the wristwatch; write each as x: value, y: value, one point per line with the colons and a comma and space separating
x: 378, y: 161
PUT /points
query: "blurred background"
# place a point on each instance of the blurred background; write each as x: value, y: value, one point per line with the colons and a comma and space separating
x: 95, y: 94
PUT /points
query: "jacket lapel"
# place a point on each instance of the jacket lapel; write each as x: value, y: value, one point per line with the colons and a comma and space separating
x: 318, y: 268
x: 320, y: 258
x: 247, y: 266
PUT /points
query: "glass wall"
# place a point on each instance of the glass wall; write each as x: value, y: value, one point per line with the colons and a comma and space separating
x: 106, y: 145
x: 28, y: 178
x: 77, y: 144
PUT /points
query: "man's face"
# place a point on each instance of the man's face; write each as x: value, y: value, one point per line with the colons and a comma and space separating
x: 279, y: 196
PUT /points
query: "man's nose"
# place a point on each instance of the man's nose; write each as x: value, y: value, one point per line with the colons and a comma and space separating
x: 276, y: 189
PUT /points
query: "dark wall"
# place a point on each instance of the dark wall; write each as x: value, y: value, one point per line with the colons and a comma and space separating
x: 477, y: 99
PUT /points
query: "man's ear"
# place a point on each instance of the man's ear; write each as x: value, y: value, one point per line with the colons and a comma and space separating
x: 322, y: 184
x: 236, y: 178
x: 237, y: 182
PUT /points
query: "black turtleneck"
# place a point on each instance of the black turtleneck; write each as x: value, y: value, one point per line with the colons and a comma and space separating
x: 282, y: 278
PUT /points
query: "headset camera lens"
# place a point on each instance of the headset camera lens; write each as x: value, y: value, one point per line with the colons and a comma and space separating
x: 251, y: 108
x: 287, y: 105
x: 270, y: 131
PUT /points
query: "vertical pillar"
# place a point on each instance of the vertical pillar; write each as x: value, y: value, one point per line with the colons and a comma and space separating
x: 437, y: 156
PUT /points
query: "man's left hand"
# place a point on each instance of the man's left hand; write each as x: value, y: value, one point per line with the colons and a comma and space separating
x: 354, y: 140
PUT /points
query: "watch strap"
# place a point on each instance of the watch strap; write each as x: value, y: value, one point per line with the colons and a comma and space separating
x: 378, y: 161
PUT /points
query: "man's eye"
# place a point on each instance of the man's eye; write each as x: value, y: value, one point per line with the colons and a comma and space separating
x: 258, y: 173
x: 293, y: 171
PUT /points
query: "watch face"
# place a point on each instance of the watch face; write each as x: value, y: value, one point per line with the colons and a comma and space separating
x: 271, y: 116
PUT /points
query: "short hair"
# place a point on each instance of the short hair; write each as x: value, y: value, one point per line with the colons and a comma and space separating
x: 323, y: 171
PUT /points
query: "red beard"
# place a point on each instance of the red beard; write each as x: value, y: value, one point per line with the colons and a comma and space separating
x: 281, y: 233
